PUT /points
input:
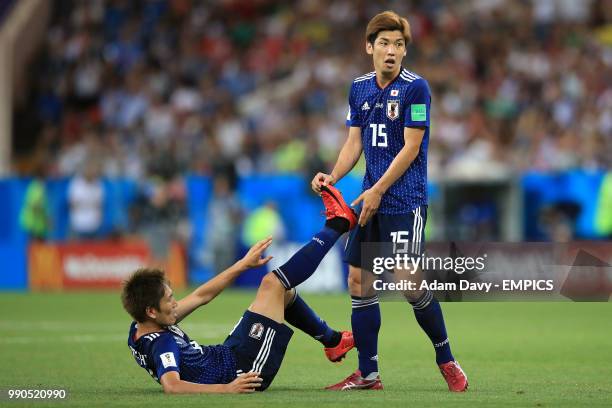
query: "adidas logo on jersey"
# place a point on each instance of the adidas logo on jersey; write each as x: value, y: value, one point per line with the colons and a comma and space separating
x: 365, y: 106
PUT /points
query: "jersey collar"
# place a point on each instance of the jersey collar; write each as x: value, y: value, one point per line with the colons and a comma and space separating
x: 390, y: 82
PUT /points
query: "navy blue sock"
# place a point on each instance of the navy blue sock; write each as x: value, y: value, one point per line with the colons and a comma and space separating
x: 301, y: 316
x: 365, y: 321
x: 305, y: 261
x: 428, y: 314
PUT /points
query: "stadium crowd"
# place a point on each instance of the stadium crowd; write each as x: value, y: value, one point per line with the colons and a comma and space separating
x: 153, y: 89
x: 156, y: 88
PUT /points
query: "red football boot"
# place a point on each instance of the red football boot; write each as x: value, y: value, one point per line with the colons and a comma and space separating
x: 356, y: 382
x: 335, y: 206
x: 455, y: 377
x: 335, y: 354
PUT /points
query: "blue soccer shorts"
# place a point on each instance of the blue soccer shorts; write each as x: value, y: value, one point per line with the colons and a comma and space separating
x: 405, y: 230
x: 259, y: 345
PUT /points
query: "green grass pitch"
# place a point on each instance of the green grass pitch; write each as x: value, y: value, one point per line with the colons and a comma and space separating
x: 515, y: 354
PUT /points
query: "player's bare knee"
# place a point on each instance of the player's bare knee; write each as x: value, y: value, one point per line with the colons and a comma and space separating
x: 413, y: 295
x: 354, y: 281
x: 271, y: 283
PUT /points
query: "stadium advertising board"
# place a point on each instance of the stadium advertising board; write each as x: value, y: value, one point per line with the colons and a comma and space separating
x: 94, y: 265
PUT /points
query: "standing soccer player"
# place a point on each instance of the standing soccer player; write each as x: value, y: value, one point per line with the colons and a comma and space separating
x: 389, y: 120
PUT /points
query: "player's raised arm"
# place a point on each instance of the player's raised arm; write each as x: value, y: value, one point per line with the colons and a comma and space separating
x: 246, y: 383
x: 349, y: 154
x: 209, y: 290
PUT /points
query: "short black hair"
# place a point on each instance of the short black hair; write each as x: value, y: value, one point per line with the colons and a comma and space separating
x: 145, y: 288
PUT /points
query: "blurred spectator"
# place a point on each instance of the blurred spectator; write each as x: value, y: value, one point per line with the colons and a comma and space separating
x: 603, y: 218
x: 263, y: 222
x: 34, y: 215
x: 223, y: 226
x: 86, y: 198
x: 558, y: 221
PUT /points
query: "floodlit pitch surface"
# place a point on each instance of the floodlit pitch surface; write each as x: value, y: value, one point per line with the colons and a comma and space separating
x: 515, y: 354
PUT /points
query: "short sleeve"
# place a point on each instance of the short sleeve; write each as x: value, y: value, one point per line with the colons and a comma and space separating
x: 166, y: 355
x: 418, y: 105
x: 352, y: 117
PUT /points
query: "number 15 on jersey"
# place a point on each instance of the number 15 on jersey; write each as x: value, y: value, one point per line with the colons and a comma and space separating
x: 379, y: 135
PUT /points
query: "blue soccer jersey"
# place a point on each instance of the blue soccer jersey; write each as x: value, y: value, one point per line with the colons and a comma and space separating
x: 382, y: 115
x: 172, y: 350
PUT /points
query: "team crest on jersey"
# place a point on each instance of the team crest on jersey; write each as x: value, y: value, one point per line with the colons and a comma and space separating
x: 393, y: 109
x: 256, y: 331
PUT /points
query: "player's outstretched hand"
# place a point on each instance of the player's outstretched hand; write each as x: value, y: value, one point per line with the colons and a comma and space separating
x: 321, y: 179
x: 371, y: 201
x: 246, y: 383
x: 253, y: 258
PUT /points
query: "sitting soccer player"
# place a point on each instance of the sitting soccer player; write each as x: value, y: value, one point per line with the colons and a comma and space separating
x: 252, y: 354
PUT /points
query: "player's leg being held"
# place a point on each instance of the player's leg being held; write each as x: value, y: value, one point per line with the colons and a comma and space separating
x: 271, y: 298
x: 340, y: 219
